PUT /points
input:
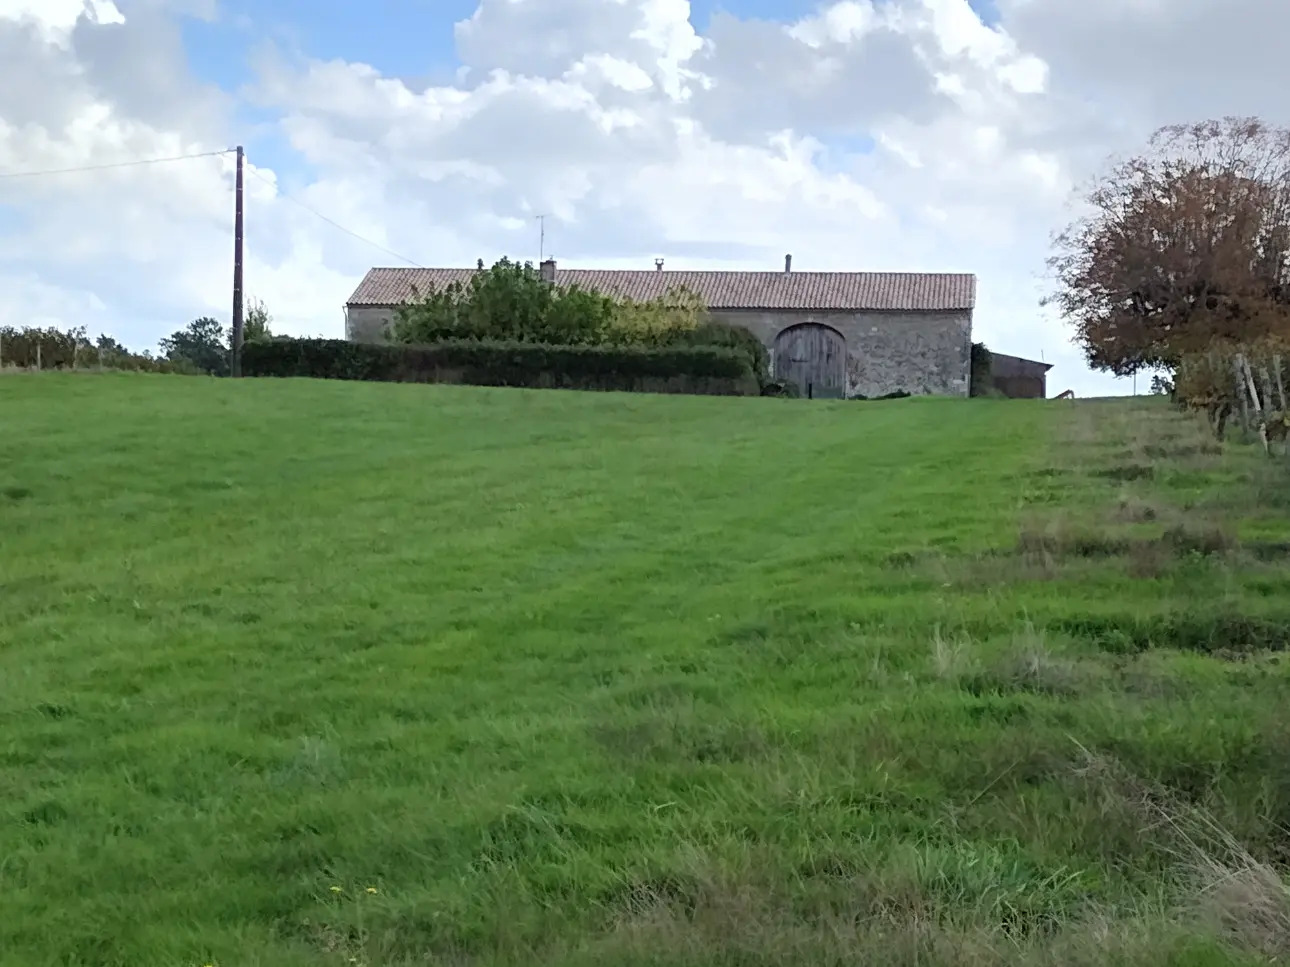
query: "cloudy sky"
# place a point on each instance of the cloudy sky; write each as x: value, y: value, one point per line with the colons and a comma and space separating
x: 943, y: 135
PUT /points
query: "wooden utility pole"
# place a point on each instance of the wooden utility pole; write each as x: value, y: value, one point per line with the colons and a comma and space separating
x: 235, y: 364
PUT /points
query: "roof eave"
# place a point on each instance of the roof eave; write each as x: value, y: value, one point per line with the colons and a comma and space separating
x: 396, y: 305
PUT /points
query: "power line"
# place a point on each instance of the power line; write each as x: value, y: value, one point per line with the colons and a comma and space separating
x: 332, y: 222
x: 210, y: 154
x: 118, y: 164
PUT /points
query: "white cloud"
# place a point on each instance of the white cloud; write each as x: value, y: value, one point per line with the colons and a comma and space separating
x: 903, y: 134
x: 55, y: 19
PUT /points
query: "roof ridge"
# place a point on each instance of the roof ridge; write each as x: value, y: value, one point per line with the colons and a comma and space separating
x: 665, y: 271
x: 721, y: 289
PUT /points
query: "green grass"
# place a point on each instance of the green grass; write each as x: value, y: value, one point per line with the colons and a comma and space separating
x: 606, y: 679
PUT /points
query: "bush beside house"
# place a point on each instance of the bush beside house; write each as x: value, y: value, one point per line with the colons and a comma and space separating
x: 511, y: 302
x: 539, y: 334
x: 980, y: 383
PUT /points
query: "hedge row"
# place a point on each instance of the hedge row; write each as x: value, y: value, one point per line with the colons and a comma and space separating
x: 707, y: 370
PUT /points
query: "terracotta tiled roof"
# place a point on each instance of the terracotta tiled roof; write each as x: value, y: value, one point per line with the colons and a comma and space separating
x: 917, y: 291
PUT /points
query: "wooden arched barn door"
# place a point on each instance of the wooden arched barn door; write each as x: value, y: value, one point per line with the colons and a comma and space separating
x: 814, y: 357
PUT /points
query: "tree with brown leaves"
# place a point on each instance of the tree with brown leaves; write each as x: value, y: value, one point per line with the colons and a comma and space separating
x: 1182, y: 250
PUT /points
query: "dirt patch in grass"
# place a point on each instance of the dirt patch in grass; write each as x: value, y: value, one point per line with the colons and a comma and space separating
x: 1137, y: 510
x: 1032, y: 670
x: 902, y: 560
x: 1229, y: 635
x: 1045, y: 552
x: 1206, y: 539
x: 1126, y: 472
x: 1043, y: 547
x: 1182, y: 449
x: 1267, y: 551
x: 1148, y: 560
x: 1058, y: 540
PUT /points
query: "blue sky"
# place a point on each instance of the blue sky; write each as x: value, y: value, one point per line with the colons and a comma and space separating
x: 412, y: 39
x: 409, y: 38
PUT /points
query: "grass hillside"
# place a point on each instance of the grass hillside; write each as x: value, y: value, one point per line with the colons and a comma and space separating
x: 311, y: 673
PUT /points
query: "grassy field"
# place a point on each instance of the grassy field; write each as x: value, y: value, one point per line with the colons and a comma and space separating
x: 309, y: 673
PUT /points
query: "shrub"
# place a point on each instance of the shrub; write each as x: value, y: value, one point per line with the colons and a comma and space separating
x: 202, y: 345
x: 780, y: 387
x: 980, y: 378
x: 675, y: 369
x: 739, y: 339
x: 671, y: 318
x: 511, y: 302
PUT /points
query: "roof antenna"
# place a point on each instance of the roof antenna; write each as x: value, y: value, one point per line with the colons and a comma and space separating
x: 541, y: 238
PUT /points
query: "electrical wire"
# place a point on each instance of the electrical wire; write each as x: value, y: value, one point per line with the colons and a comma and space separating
x: 332, y: 222
x: 7, y: 175
x: 119, y: 164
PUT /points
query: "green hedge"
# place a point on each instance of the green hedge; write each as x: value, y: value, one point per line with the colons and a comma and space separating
x: 705, y: 370
x: 733, y: 337
x: 981, y: 383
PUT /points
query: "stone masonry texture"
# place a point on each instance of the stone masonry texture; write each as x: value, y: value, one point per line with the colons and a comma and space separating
x: 921, y: 353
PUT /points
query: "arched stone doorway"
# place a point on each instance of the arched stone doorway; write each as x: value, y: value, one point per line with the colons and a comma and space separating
x: 813, y: 356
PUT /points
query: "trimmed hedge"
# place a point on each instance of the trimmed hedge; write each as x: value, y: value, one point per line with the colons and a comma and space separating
x: 737, y: 338
x: 706, y: 370
x: 981, y: 383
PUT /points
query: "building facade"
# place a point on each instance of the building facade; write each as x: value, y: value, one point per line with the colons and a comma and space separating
x: 1018, y: 378
x: 833, y: 334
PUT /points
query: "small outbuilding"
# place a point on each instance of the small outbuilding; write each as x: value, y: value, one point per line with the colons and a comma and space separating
x: 1017, y: 378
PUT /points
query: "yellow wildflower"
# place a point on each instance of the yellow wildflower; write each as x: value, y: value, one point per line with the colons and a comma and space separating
x: 373, y: 890
x: 335, y: 889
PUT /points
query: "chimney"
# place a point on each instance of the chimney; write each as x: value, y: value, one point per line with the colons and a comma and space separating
x: 658, y: 265
x: 547, y: 269
x: 788, y: 264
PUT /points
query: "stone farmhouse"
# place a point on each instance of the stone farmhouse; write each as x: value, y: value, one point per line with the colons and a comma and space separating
x: 833, y: 333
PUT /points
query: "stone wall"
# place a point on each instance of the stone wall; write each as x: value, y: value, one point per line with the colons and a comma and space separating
x: 923, y: 353
x: 887, y: 352
x: 367, y: 324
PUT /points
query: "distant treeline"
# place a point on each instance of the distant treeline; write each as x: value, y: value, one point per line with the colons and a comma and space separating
x: 201, y: 347
x: 34, y: 348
